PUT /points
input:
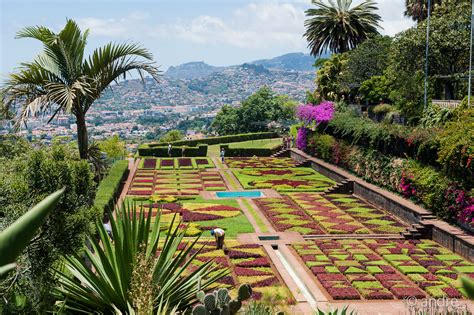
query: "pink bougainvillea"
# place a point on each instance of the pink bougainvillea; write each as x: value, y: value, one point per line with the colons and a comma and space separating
x: 310, y: 113
x: 302, y: 138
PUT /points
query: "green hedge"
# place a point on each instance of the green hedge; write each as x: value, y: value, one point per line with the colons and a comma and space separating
x: 218, y: 140
x: 246, y: 152
x: 109, y: 187
x: 393, y: 139
x: 162, y: 151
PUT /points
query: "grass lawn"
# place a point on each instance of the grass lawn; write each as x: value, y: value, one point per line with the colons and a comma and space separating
x: 231, y: 225
x: 213, y: 150
x: 312, y: 181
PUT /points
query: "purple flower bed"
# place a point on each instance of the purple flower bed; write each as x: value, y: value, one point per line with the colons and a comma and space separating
x: 257, y: 262
x: 185, y: 162
x: 202, y: 162
x: 167, y: 163
x: 241, y: 271
x: 149, y: 163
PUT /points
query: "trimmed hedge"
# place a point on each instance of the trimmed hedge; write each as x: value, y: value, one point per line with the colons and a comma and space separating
x: 162, y: 151
x: 247, y: 152
x: 218, y: 140
x: 109, y: 187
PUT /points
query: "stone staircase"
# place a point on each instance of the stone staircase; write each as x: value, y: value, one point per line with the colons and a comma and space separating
x: 281, y: 153
x: 415, y: 232
x: 344, y: 187
x: 305, y: 163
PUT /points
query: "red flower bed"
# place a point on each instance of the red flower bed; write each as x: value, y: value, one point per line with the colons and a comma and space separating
x: 403, y: 293
x: 184, y: 162
x: 379, y: 295
x: 240, y: 271
x: 257, y: 262
x: 266, y: 283
x: 189, y: 216
x: 236, y: 254
x: 202, y: 162
x: 227, y: 280
x: 330, y: 277
x: 289, y: 182
x: 140, y: 192
x: 149, y: 163
x: 143, y: 180
x: 344, y: 293
x: 452, y: 293
x: 167, y: 163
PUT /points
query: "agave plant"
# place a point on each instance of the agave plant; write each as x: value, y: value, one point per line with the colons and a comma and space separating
x: 343, y: 311
x: 143, y: 247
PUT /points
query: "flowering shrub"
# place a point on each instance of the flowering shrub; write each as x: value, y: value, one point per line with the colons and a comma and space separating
x: 301, y: 138
x: 321, y: 113
x: 149, y: 163
x: 406, y: 186
x: 459, y: 204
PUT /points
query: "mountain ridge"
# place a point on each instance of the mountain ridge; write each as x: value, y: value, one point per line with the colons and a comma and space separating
x: 297, y: 61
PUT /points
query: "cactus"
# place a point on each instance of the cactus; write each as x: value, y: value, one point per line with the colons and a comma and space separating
x: 210, y: 302
x: 220, y: 303
x: 245, y: 292
x: 200, y: 310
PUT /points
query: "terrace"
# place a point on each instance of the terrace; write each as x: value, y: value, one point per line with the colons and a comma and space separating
x: 301, y: 241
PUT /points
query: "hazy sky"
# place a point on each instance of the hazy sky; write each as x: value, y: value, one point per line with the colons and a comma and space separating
x: 219, y: 32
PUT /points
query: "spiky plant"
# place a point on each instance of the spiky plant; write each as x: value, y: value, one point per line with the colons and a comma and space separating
x: 138, y: 239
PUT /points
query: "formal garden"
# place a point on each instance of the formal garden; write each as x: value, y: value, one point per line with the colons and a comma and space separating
x: 370, y: 210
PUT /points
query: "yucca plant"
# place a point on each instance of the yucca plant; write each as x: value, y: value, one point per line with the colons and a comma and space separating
x: 343, y: 311
x: 15, y: 238
x: 138, y: 242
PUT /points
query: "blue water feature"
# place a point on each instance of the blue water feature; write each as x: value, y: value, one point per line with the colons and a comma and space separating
x: 239, y: 194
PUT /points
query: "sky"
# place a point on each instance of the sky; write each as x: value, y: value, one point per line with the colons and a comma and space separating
x: 218, y: 32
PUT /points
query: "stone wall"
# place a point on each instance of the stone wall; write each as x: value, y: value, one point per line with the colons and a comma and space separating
x: 449, y: 236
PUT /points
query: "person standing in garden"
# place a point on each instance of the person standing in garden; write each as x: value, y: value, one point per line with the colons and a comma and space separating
x: 169, y: 149
x: 219, y: 235
x: 182, y: 151
x: 222, y: 155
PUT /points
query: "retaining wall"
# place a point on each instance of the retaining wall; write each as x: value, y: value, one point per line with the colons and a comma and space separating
x: 449, y: 236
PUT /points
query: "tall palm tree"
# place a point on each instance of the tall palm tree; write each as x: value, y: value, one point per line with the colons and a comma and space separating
x: 339, y: 28
x: 418, y: 9
x: 62, y: 79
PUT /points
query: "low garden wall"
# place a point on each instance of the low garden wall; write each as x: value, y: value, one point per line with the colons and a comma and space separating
x: 452, y: 237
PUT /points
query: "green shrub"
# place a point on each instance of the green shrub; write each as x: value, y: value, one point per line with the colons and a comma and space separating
x: 247, y: 152
x: 176, y: 151
x: 218, y: 140
x: 321, y: 145
x: 109, y: 187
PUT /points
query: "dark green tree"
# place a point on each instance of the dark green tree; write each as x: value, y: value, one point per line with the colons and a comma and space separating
x: 26, y: 180
x: 172, y: 135
x: 338, y: 27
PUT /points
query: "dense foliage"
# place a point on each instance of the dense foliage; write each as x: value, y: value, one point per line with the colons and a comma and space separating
x: 262, y: 111
x: 109, y: 188
x: 391, y: 70
x: 27, y: 179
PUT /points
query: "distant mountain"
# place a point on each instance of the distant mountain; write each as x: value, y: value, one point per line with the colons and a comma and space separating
x: 191, y: 70
x: 288, y: 62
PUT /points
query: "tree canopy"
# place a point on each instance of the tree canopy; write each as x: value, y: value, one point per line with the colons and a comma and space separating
x: 255, y: 114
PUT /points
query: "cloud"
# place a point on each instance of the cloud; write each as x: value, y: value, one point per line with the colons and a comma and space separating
x: 127, y: 26
x: 255, y: 25
x: 260, y: 24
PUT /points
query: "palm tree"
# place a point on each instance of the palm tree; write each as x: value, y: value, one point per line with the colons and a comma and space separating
x: 418, y: 9
x: 62, y: 79
x: 339, y: 28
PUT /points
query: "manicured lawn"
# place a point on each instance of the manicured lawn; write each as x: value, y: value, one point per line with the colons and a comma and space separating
x: 296, y: 179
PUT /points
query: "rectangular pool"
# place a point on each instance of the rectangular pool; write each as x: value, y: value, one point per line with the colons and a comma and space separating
x: 239, y: 194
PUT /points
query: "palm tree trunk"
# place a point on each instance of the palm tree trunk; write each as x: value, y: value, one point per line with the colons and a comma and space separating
x: 82, y: 139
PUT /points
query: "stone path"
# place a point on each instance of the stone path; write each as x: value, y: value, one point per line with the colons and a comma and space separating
x: 132, y: 168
